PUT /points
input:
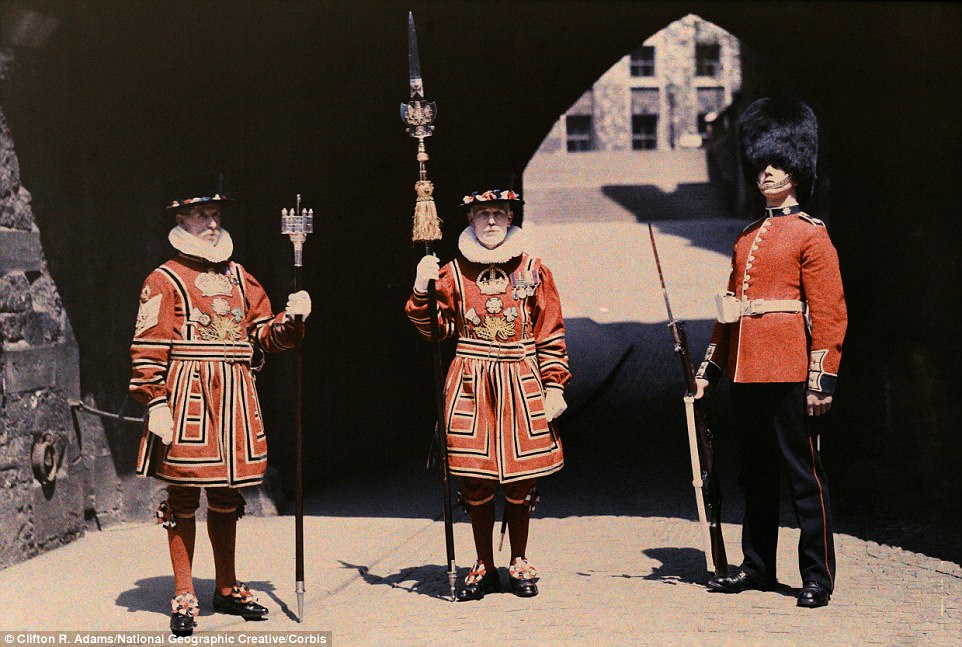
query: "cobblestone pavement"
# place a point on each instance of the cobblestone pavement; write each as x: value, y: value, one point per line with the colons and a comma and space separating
x: 615, y: 536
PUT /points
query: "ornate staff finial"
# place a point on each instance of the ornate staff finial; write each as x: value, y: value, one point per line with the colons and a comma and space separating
x: 419, y: 115
x: 297, y: 223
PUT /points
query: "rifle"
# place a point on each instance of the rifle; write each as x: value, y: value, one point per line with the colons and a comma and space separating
x: 704, y: 478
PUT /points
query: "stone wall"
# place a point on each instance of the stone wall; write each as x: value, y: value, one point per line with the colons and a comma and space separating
x: 40, y: 506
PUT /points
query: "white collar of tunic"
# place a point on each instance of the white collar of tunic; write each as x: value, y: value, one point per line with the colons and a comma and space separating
x: 187, y: 243
x: 474, y: 251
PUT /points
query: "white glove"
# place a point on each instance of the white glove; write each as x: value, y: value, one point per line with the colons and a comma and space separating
x: 161, y: 423
x: 429, y: 269
x: 554, y: 404
x: 298, y: 303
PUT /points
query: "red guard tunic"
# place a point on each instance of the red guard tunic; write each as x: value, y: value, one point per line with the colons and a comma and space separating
x: 511, y: 349
x: 196, y: 330
x: 782, y: 258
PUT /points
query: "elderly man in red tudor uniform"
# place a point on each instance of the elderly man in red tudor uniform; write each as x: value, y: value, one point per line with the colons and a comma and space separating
x: 779, y: 335
x: 506, y: 383
x: 201, y: 317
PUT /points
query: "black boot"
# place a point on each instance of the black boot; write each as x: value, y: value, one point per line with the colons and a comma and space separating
x: 813, y: 595
x: 240, y: 602
x: 182, y: 619
x: 478, y: 582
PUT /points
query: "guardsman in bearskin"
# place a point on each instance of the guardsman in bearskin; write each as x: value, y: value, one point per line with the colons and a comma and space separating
x: 201, y: 318
x: 779, y: 336
x: 506, y: 382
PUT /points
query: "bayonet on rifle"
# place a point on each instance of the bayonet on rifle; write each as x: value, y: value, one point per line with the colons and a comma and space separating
x: 704, y: 479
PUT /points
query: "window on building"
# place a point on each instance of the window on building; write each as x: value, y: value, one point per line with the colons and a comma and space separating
x: 643, y: 61
x: 645, y: 104
x: 709, y: 101
x: 580, y: 137
x: 707, y: 59
x: 644, y: 132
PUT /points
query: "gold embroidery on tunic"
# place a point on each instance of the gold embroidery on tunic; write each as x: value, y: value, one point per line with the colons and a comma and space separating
x: 493, y: 280
x: 211, y: 284
x: 148, y: 314
x: 495, y: 328
x: 221, y: 328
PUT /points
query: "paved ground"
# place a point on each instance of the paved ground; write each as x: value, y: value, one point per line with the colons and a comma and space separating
x: 615, y: 537
x: 618, y: 577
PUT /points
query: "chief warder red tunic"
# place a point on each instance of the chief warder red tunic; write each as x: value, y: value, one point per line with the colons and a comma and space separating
x: 196, y: 331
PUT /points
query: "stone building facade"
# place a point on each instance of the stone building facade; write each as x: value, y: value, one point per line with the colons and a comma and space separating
x: 41, y: 469
x: 662, y: 96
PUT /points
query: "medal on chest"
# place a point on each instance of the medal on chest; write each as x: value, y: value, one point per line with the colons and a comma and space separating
x: 523, y: 284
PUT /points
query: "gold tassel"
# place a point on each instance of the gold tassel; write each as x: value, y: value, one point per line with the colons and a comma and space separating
x: 427, y: 225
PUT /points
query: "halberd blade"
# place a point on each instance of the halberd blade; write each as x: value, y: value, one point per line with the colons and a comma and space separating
x: 414, y: 61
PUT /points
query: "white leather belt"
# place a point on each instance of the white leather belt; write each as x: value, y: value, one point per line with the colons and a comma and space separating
x: 729, y: 309
x: 764, y: 306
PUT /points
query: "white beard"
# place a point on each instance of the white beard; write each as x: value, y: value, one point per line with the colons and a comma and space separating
x: 187, y: 243
x: 474, y: 251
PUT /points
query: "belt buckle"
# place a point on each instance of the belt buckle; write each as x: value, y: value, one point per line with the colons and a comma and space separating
x: 753, y: 310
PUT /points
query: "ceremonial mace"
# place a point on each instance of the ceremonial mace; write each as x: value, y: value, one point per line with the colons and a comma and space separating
x: 419, y: 115
x: 297, y: 223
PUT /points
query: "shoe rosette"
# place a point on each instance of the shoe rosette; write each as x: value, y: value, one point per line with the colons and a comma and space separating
x: 186, y: 605
x: 521, y: 569
x: 478, y: 571
x: 242, y: 593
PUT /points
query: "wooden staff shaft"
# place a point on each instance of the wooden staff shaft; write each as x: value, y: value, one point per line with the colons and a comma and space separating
x: 299, y: 455
x: 442, y: 427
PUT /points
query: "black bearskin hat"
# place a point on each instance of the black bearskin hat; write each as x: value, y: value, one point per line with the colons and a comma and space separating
x: 782, y: 132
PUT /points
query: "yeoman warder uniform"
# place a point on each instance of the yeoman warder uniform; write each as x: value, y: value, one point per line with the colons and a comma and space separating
x: 201, y: 317
x: 506, y: 381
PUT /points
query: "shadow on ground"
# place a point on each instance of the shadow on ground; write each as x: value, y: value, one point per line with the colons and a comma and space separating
x: 626, y: 454
x: 153, y: 594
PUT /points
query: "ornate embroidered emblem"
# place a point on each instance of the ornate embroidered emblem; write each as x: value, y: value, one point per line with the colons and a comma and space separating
x: 493, y: 280
x: 495, y: 328
x: 148, y: 314
x: 511, y: 314
x: 212, y: 284
x: 224, y: 326
x: 494, y: 305
x: 220, y: 328
x: 220, y: 306
x: 473, y: 317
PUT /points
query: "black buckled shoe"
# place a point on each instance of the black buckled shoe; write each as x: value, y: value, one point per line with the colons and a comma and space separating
x: 523, y: 577
x: 240, y: 602
x: 478, y: 582
x: 813, y: 595
x: 738, y: 581
x: 184, y: 608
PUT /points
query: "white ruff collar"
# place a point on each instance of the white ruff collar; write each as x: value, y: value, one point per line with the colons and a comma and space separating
x: 187, y: 243
x: 474, y: 251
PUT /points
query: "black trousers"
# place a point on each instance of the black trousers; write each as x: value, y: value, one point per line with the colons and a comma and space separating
x: 774, y: 435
